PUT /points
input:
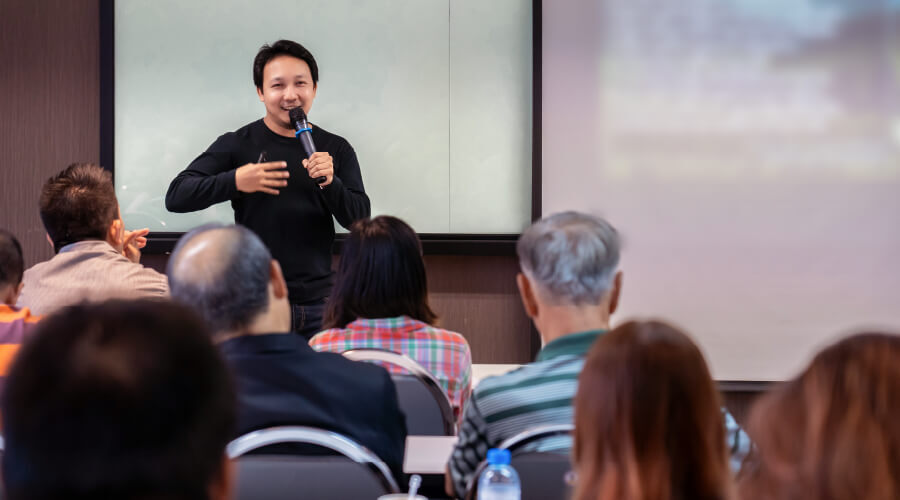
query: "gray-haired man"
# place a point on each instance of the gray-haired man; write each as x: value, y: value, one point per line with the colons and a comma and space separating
x: 569, y: 286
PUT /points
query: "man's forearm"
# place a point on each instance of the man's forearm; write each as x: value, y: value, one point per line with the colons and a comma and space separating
x: 192, y: 191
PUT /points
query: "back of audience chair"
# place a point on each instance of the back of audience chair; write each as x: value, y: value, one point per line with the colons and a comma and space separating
x: 287, y: 477
x: 355, y: 474
x: 542, y: 474
x: 425, y: 404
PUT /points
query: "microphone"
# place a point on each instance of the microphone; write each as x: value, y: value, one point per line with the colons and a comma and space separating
x: 302, y: 132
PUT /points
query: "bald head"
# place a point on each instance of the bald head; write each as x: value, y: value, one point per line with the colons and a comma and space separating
x: 222, y: 272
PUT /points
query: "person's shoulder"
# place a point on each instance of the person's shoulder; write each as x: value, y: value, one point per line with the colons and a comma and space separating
x: 11, y: 313
x: 36, y: 270
x: 525, y: 378
x: 449, y: 336
x: 325, y: 337
x: 247, y: 132
x: 329, y: 141
x: 141, y: 278
x: 254, y: 127
x: 58, y: 263
x: 155, y: 276
x: 446, y: 337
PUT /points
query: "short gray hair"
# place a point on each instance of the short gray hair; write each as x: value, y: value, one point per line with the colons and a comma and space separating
x: 570, y: 255
x: 228, y: 285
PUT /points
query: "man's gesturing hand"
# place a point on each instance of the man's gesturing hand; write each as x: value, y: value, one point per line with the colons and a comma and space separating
x: 133, y: 242
x: 265, y: 177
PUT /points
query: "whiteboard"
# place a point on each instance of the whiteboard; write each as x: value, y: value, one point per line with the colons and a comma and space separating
x: 435, y: 97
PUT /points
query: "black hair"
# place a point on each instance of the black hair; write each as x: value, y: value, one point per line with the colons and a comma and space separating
x: 119, y: 400
x: 381, y: 275
x: 282, y: 48
x: 78, y: 204
x: 12, y: 265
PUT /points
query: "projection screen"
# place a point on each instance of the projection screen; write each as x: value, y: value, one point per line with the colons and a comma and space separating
x: 749, y: 153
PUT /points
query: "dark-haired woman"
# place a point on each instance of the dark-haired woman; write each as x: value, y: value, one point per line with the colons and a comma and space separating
x: 380, y: 300
x: 648, y: 424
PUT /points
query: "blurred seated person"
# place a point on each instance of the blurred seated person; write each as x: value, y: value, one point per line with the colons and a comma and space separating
x: 120, y: 401
x: 570, y: 285
x: 96, y: 258
x: 648, y: 424
x: 833, y: 432
x: 15, y: 323
x: 227, y: 274
x: 380, y: 300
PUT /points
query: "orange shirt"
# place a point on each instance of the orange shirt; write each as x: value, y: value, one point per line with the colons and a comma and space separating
x: 15, y: 326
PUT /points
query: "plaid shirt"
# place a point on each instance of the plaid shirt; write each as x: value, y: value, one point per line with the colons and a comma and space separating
x: 444, y: 353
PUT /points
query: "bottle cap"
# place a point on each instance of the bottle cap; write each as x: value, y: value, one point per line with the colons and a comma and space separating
x: 496, y: 456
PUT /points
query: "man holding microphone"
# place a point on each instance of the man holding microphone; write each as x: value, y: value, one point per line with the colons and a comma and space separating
x: 276, y: 191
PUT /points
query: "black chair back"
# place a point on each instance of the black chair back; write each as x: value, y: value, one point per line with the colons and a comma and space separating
x: 354, y: 473
x: 542, y: 474
x: 284, y: 477
x: 425, y: 404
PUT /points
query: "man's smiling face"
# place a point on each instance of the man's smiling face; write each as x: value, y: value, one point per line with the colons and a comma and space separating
x: 286, y: 84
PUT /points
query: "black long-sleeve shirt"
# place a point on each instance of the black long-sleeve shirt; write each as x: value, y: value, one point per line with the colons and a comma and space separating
x: 296, y: 224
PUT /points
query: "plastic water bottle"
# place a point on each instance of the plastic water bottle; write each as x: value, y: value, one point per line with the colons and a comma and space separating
x: 499, y: 481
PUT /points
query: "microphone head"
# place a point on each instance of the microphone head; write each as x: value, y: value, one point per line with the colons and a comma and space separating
x: 298, y: 117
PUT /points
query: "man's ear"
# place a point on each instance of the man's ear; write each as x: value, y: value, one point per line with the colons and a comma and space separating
x: 528, y: 295
x: 50, y: 241
x: 115, y: 233
x: 259, y: 92
x: 276, y: 279
x: 614, y: 293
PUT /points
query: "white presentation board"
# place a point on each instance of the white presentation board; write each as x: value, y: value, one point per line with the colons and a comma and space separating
x: 435, y: 97
x: 748, y: 151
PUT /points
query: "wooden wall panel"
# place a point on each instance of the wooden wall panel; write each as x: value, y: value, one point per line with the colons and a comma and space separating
x: 477, y: 296
x: 49, y: 109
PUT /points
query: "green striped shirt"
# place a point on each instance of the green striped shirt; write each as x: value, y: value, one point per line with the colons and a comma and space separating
x: 536, y: 394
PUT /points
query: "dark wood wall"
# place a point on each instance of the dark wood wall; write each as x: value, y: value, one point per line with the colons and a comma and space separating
x: 49, y: 110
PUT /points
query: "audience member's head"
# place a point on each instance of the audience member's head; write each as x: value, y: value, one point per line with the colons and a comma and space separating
x: 12, y: 265
x: 227, y: 275
x: 569, y: 279
x: 381, y: 275
x: 832, y: 432
x: 648, y: 424
x: 80, y: 204
x: 122, y: 400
